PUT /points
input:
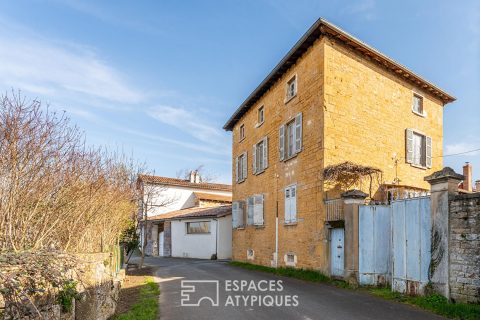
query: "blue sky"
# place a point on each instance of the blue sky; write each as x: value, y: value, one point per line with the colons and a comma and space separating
x: 160, y: 78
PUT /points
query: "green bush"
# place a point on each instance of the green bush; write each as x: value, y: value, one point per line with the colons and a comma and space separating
x: 67, y: 294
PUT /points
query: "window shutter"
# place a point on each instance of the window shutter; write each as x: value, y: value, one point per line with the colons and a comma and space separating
x: 250, y: 209
x: 258, y: 210
x: 409, y: 145
x: 287, y: 205
x: 265, y: 153
x: 298, y: 133
x: 234, y: 214
x: 241, y: 214
x: 245, y: 163
x: 281, y: 140
x: 428, y: 151
x: 254, y: 161
x: 236, y: 169
x: 293, y: 203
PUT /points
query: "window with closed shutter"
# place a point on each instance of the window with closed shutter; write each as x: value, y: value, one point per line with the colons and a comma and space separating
x: 258, y: 210
x: 238, y: 213
x: 291, y: 204
x: 250, y: 210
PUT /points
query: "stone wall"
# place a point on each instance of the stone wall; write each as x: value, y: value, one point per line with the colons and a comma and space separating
x: 98, y: 287
x: 464, y: 248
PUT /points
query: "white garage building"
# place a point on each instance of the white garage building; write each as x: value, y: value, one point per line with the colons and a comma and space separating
x: 186, y: 218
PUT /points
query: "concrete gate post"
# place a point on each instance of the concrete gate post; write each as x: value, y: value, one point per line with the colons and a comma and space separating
x: 443, y: 185
x: 352, y: 199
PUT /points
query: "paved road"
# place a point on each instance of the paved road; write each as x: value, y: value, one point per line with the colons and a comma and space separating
x: 315, y: 301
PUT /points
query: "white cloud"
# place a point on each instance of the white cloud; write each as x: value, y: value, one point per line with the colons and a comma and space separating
x: 189, y: 122
x: 362, y: 8
x: 455, y: 148
x: 57, y: 69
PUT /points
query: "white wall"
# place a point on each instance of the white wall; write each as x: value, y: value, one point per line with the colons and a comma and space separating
x: 202, y: 246
x: 224, y: 243
x: 177, y: 197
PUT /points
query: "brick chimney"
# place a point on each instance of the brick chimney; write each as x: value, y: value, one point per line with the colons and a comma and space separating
x: 197, y: 177
x: 467, y: 172
x: 192, y: 176
x: 477, y: 185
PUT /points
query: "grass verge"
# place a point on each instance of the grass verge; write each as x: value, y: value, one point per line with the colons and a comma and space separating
x: 147, y: 306
x: 303, y: 274
x: 434, y: 303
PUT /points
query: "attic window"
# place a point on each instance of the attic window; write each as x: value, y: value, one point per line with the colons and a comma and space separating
x: 291, y: 88
x: 417, y: 106
x: 242, y: 132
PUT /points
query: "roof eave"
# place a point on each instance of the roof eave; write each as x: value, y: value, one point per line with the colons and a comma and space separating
x: 315, y: 31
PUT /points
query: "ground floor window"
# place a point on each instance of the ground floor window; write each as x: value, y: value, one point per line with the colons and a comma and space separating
x: 198, y: 227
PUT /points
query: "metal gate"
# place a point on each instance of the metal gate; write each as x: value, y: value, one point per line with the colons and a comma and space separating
x: 337, y: 252
x: 411, y: 243
x: 374, y: 229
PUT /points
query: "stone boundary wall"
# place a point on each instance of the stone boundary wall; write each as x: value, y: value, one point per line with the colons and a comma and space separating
x: 98, y: 286
x: 464, y: 248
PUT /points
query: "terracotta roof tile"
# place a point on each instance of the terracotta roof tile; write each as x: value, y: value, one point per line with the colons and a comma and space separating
x: 212, y: 197
x: 184, y: 183
x: 195, y: 212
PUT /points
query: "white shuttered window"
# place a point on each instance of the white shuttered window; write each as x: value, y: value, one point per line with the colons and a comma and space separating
x: 290, y: 138
x: 258, y: 210
x: 260, y: 156
x: 418, y: 149
x: 291, y: 204
x: 238, y: 214
x: 241, y: 167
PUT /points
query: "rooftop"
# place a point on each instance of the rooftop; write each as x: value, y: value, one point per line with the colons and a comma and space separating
x: 325, y: 28
x: 194, y: 212
x: 183, y: 183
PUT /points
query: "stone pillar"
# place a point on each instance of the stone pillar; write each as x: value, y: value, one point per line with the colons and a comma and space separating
x: 443, y: 185
x: 167, y: 239
x: 352, y: 199
x: 154, y: 239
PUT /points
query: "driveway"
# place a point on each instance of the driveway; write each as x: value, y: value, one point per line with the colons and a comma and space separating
x: 313, y: 300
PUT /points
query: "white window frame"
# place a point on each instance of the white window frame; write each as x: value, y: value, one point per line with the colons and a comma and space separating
x: 422, y: 100
x: 260, y: 156
x: 289, y: 94
x: 410, y: 150
x: 187, y: 224
x: 293, y: 139
x: 260, y: 116
x: 291, y: 204
x: 241, y: 170
x: 241, y: 132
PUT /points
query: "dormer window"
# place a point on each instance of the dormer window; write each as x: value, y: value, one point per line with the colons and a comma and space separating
x: 417, y: 106
x: 291, y: 88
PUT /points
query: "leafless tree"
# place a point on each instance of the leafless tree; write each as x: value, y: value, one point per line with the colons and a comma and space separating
x: 151, y: 197
x: 54, y: 190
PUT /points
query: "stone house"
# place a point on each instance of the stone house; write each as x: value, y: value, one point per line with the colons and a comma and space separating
x: 331, y: 100
x: 185, y: 218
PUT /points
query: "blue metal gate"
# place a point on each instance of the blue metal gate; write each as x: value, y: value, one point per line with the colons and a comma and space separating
x: 374, y: 244
x: 411, y: 244
x: 394, y: 244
